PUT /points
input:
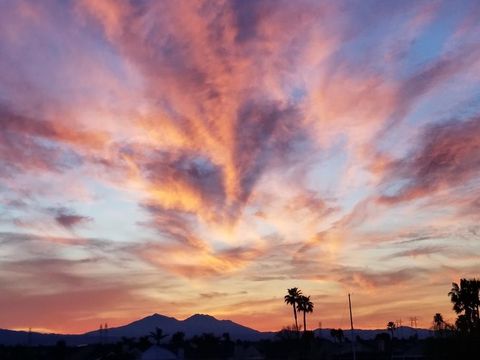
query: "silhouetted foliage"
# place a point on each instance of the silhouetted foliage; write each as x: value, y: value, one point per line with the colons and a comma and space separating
x: 177, y: 340
x: 306, y: 306
x: 391, y: 327
x: 337, y: 335
x: 440, y: 326
x: 466, y: 302
x: 205, y: 346
x: 287, y: 333
x: 144, y: 343
x: 463, y: 344
x: 158, y: 335
x: 292, y: 297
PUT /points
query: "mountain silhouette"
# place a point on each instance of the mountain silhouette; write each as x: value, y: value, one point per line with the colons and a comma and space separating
x: 142, y: 327
x: 194, y: 325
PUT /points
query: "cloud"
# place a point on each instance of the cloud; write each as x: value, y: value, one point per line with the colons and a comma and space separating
x: 372, y: 280
x: 217, y: 152
x: 447, y: 155
x: 421, y: 251
x: 69, y: 219
x: 30, y: 144
x: 213, y: 294
x: 175, y: 226
x: 199, y: 262
x: 265, y: 132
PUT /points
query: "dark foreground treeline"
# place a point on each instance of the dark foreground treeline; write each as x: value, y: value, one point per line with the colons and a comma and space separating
x: 286, y: 345
x: 451, y: 341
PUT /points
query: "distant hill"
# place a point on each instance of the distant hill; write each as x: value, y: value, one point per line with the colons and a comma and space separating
x: 12, y: 337
x: 194, y: 325
x: 403, y: 332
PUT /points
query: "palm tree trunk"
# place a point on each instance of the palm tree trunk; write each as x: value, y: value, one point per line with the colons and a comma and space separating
x: 304, y: 321
x: 295, y: 315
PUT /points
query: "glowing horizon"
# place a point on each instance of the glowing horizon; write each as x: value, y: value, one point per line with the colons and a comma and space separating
x: 182, y: 158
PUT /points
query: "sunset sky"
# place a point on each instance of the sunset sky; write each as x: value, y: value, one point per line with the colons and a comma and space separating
x: 186, y: 157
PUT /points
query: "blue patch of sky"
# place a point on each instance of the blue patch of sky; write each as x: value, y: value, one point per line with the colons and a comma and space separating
x: 354, y: 196
x: 363, y: 49
x: 53, y: 50
x: 457, y: 100
x: 403, y: 216
x: 429, y: 44
x: 393, y: 188
x: 116, y: 215
x: 298, y: 93
x: 327, y: 173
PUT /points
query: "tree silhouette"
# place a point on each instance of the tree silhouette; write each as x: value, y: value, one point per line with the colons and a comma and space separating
x: 128, y: 342
x: 287, y: 333
x: 158, y: 335
x: 438, y: 322
x: 178, y: 339
x: 466, y: 302
x: 292, y: 297
x: 337, y: 335
x: 306, y: 306
x: 144, y: 343
x: 391, y: 327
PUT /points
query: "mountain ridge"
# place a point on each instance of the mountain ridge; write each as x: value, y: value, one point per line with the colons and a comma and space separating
x: 196, y: 324
x: 191, y: 326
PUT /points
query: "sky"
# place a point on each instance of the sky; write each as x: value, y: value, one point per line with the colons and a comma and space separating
x: 185, y: 157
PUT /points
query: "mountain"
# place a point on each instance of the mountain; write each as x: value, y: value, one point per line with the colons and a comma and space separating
x: 142, y: 327
x: 194, y: 325
x: 12, y: 337
x: 198, y: 324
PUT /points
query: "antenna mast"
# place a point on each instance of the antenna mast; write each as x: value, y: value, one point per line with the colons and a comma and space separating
x: 351, y: 327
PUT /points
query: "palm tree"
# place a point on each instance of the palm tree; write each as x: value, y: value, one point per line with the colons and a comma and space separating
x: 337, y: 334
x: 466, y: 300
x: 158, y: 335
x: 438, y: 322
x: 305, y: 305
x: 391, y: 327
x: 291, y: 298
x: 340, y: 335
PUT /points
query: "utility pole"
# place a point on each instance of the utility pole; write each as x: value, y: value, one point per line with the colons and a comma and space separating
x: 413, y: 324
x: 351, y: 327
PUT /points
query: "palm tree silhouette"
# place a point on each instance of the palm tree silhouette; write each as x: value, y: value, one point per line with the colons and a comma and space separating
x: 337, y: 335
x: 306, y: 306
x: 438, y: 321
x: 438, y: 324
x: 292, y: 297
x: 391, y: 327
x: 158, y: 335
x: 466, y: 300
